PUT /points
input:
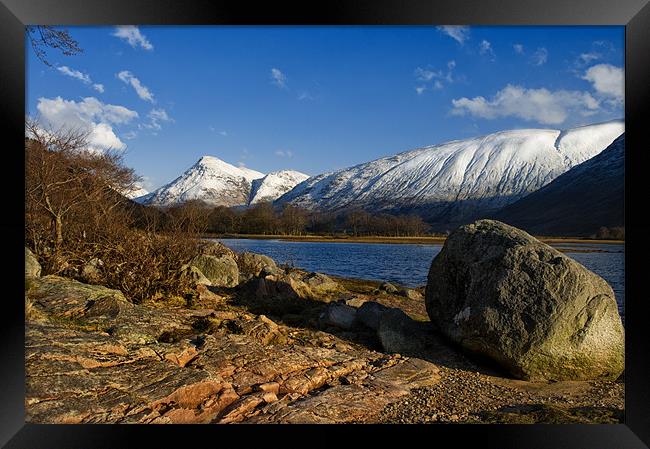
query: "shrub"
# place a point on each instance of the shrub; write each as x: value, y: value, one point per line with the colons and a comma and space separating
x: 75, y: 214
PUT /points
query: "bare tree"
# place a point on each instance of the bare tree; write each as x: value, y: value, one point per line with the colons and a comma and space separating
x: 62, y: 178
x: 43, y: 37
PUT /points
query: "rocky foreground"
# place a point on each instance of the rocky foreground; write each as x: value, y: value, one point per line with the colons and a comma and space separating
x: 258, y: 343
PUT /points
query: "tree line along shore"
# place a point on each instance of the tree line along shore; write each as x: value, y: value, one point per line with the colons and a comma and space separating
x: 434, y: 240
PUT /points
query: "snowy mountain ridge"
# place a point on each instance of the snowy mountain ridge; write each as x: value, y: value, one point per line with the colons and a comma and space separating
x: 274, y: 185
x: 218, y: 183
x: 454, y: 181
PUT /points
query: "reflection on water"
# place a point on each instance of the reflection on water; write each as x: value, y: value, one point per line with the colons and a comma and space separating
x: 408, y: 264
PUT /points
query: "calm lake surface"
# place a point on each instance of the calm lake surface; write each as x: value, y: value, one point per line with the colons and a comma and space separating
x: 408, y: 264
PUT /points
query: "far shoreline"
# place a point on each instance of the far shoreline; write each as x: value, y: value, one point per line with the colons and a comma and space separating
x: 433, y: 240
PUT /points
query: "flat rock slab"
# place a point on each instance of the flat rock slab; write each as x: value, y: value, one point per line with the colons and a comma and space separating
x: 92, y: 357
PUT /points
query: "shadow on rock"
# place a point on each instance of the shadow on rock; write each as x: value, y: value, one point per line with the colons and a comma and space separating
x: 370, y: 324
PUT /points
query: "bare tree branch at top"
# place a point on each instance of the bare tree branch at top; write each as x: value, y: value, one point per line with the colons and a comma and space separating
x: 42, y: 37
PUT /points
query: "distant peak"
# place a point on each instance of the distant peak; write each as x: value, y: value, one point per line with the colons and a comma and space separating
x: 209, y: 159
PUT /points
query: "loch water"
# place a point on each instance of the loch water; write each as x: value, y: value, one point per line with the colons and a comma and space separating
x: 408, y: 264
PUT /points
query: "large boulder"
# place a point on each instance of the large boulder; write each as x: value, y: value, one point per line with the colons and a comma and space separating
x: 197, y: 277
x: 252, y: 265
x: 213, y: 248
x: 32, y: 267
x: 221, y: 271
x: 500, y: 292
x: 282, y: 286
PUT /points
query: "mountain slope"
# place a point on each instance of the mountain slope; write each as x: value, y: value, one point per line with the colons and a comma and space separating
x: 218, y: 183
x: 274, y: 185
x: 458, y: 181
x: 210, y: 180
x: 578, y: 202
x: 136, y: 192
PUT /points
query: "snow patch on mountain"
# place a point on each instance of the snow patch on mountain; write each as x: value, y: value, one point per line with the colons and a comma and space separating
x: 453, y: 181
x: 274, y: 185
x: 210, y: 180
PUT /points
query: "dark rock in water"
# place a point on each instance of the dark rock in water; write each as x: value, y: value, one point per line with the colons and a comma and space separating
x: 32, y: 267
x: 498, y: 291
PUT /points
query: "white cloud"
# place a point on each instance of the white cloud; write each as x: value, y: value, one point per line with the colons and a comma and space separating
x: 540, y: 105
x: 540, y: 56
x: 436, y: 77
x: 83, y: 77
x: 485, y: 48
x: 457, y: 32
x: 284, y: 153
x: 222, y: 133
x: 142, y: 91
x: 426, y: 75
x: 155, y: 117
x: 132, y: 35
x: 89, y: 115
x: 159, y: 114
x: 305, y: 96
x: 587, y: 58
x: 519, y: 49
x: 130, y: 135
x: 278, y: 78
x: 74, y: 74
x: 607, y: 80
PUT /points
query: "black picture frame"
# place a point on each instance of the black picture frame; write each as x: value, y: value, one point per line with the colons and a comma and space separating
x: 634, y: 14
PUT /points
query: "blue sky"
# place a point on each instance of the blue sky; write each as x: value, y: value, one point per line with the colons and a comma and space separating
x: 316, y: 99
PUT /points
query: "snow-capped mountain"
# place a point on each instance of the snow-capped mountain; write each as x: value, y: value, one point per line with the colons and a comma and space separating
x: 210, y: 180
x: 457, y: 181
x: 274, y: 185
x: 578, y: 202
x: 218, y: 183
